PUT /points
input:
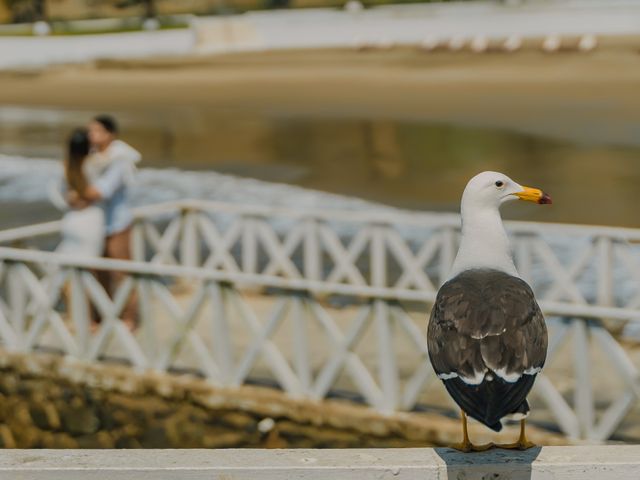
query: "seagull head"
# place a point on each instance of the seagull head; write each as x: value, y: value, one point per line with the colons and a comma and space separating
x: 492, y: 189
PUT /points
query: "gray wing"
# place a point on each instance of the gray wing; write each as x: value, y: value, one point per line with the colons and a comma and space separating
x: 486, y: 320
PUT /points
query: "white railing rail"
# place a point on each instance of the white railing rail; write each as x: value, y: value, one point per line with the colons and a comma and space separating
x: 384, y: 267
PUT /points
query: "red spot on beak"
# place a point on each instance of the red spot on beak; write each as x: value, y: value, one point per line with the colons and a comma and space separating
x: 545, y: 199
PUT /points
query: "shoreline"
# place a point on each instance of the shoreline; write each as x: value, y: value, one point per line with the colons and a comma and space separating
x: 402, y: 84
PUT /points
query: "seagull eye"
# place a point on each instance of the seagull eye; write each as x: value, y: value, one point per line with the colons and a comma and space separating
x: 499, y: 183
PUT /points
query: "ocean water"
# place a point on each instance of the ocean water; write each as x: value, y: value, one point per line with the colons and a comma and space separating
x: 409, y: 164
x: 25, y: 183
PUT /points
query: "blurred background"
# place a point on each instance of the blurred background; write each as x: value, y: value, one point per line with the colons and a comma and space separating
x: 398, y: 105
x: 362, y: 106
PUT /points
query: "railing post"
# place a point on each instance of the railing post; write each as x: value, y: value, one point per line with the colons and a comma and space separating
x: 386, y: 356
x: 190, y: 245
x: 378, y: 256
x: 17, y: 303
x: 249, y: 245
x: 302, y: 365
x: 146, y: 319
x: 605, y: 271
x: 583, y: 393
x: 80, y: 313
x: 312, y: 252
x: 222, y: 341
x: 137, y: 241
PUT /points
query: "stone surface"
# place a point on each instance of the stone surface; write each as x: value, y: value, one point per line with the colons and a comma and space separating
x: 548, y: 463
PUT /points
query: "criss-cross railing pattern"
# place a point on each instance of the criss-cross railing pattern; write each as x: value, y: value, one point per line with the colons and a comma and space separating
x: 338, y: 247
x: 350, y: 294
x: 565, y: 263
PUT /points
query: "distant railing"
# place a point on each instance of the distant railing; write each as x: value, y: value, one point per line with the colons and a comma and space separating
x: 349, y: 298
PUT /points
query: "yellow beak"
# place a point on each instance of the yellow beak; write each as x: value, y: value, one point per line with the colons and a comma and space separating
x: 533, y: 195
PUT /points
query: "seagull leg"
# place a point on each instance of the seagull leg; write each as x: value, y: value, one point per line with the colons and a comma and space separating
x: 466, y: 445
x: 522, y: 443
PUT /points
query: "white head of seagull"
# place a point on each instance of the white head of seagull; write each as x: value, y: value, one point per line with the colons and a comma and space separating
x: 484, y: 242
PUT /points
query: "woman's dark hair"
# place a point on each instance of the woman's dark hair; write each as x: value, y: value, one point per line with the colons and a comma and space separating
x: 108, y: 122
x: 78, y: 148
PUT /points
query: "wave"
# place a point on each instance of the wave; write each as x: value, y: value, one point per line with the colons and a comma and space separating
x: 25, y: 179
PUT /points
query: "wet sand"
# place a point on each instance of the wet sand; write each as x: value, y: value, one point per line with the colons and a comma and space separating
x: 401, y: 83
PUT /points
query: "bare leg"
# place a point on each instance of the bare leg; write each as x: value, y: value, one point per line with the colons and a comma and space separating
x: 104, y: 278
x: 522, y: 443
x: 466, y: 445
x: 117, y: 247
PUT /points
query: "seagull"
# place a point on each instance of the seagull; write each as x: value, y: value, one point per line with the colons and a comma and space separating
x: 487, y: 337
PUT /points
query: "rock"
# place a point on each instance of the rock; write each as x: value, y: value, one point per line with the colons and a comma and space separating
x: 6, y: 437
x: 323, y: 437
x: 224, y: 440
x: 155, y: 437
x: 121, y: 417
x: 99, y: 440
x: 20, y: 415
x: 8, y: 383
x: 266, y: 425
x: 80, y: 421
x: 59, y: 440
x: 183, y: 433
x: 45, y: 416
x: 238, y: 420
x: 26, y: 436
x: 127, y: 442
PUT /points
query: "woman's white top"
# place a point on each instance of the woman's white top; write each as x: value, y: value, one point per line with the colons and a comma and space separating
x: 83, y: 232
x: 83, y: 229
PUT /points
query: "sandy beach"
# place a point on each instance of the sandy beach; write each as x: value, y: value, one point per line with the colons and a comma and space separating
x: 400, y: 83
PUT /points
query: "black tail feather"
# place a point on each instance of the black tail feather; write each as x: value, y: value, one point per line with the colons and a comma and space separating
x: 491, y: 400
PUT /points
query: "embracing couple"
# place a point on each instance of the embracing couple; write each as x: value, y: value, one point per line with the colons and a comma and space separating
x: 99, y: 170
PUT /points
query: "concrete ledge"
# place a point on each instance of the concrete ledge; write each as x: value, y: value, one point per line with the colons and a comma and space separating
x: 601, y: 462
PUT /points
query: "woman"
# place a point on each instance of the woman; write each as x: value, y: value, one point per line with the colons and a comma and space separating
x: 83, y: 224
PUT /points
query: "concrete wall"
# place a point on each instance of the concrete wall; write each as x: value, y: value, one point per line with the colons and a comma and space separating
x: 566, y: 463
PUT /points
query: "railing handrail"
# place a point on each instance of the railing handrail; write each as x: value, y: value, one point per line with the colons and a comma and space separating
x: 385, y: 215
x: 388, y: 215
x: 299, y: 285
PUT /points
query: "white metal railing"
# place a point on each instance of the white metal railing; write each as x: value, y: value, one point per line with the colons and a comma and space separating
x: 386, y: 268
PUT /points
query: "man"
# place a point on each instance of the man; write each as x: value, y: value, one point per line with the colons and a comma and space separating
x: 111, y: 170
